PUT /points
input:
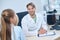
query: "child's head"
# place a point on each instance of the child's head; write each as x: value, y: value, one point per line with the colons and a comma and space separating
x: 9, y: 16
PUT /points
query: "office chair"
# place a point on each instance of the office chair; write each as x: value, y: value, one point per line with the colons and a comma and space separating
x: 20, y: 16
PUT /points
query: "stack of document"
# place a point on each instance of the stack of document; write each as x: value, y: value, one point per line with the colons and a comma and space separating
x: 47, y: 34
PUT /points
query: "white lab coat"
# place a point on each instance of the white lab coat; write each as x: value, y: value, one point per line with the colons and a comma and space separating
x: 30, y: 28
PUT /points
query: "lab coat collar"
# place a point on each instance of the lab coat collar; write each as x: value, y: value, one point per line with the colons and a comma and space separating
x: 31, y: 20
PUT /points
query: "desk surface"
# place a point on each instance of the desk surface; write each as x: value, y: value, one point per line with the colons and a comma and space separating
x: 45, y: 37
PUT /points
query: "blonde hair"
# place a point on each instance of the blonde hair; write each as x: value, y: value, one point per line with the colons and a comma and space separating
x: 3, y: 30
x: 5, y: 21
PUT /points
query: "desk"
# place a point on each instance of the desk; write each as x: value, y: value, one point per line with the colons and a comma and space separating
x: 45, y: 37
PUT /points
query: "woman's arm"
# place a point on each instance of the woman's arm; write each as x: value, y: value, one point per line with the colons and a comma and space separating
x: 22, y: 35
x: 19, y: 35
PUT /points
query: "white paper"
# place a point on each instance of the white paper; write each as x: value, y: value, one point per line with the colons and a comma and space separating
x: 47, y: 34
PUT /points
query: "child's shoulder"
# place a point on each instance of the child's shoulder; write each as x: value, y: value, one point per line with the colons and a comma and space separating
x: 17, y: 28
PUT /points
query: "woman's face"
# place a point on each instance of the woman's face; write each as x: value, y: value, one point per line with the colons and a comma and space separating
x: 15, y: 20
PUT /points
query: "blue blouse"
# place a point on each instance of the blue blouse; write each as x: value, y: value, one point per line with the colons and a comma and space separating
x: 17, y: 33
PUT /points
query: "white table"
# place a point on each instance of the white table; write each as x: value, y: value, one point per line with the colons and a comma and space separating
x: 45, y: 37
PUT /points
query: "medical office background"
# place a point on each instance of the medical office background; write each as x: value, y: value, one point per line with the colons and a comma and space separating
x: 20, y: 5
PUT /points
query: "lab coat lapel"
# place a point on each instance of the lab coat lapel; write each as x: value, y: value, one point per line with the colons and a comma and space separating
x: 30, y: 19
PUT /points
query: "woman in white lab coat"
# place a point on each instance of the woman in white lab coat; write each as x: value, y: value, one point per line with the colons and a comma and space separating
x: 33, y: 23
x: 9, y: 29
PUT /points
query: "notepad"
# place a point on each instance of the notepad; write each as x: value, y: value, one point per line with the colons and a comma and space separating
x: 57, y: 38
x: 47, y: 34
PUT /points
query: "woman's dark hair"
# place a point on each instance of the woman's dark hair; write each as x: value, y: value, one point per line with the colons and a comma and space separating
x: 5, y: 21
x: 30, y: 4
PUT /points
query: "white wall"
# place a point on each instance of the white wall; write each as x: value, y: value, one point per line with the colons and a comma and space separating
x: 0, y: 5
x: 20, y: 5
